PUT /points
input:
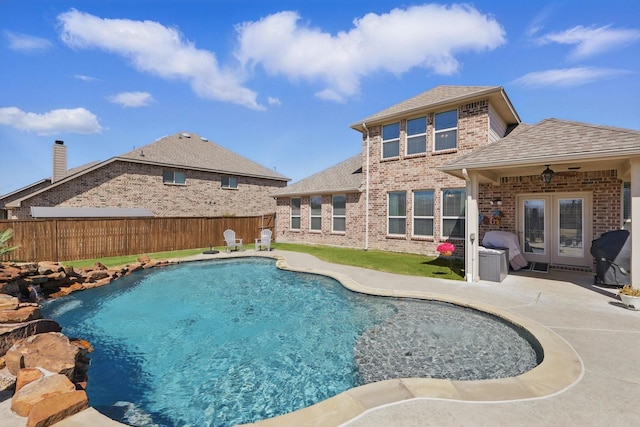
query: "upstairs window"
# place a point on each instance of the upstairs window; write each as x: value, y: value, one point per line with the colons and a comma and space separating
x: 445, y: 128
x: 339, y: 203
x: 316, y: 212
x: 295, y: 213
x: 391, y: 140
x: 174, y: 177
x: 423, y: 213
x: 417, y: 135
x: 453, y: 213
x: 397, y: 213
x: 229, y: 182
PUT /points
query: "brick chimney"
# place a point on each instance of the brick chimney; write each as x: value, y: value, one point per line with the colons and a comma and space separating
x: 59, y: 161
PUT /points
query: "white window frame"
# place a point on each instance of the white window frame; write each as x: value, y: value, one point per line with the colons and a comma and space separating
x: 437, y: 131
x: 293, y: 215
x: 444, y: 217
x: 422, y: 135
x: 395, y: 140
x: 335, y: 216
x: 313, y: 216
x: 427, y: 217
x: 172, y: 180
x: 231, y: 182
x: 396, y: 217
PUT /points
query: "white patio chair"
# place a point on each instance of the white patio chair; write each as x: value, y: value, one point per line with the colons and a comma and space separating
x: 264, y: 241
x: 231, y: 241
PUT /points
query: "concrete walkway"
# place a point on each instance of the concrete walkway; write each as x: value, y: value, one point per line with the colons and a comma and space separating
x: 590, y: 320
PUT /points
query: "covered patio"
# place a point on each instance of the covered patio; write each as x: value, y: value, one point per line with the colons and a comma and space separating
x: 556, y: 185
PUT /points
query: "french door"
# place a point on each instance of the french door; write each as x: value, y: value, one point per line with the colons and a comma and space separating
x: 555, y: 228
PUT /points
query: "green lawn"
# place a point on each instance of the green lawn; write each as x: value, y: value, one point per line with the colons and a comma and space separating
x: 409, y: 264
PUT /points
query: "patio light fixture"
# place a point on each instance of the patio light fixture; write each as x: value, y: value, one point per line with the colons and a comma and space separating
x: 547, y: 175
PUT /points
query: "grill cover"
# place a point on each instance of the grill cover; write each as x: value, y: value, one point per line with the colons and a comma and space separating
x: 612, y: 252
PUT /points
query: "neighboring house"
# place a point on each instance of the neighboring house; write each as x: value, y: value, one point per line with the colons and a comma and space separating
x: 178, y: 175
x: 455, y: 162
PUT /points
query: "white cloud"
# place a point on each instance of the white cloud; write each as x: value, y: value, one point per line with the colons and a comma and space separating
x: 155, y: 49
x: 568, y: 77
x: 85, y: 78
x: 132, y: 99
x: 76, y: 120
x: 590, y: 41
x: 274, y: 101
x: 428, y: 36
x: 26, y: 43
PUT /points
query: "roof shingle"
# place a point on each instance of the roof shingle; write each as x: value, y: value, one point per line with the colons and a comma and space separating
x: 345, y: 176
x: 191, y: 151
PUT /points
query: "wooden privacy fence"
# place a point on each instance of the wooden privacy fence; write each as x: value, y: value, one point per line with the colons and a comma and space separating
x: 86, y: 238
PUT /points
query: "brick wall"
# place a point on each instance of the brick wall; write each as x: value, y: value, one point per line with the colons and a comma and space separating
x: 417, y: 172
x: 129, y: 185
x: 353, y: 237
x: 605, y: 187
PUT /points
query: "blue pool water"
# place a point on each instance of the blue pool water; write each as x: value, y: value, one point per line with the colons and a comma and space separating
x: 225, y: 342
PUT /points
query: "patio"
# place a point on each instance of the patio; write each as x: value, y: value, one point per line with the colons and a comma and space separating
x: 592, y: 320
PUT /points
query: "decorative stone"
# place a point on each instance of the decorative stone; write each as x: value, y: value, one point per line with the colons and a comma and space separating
x: 57, y: 408
x: 48, y: 386
x: 12, y: 333
x: 51, y: 351
x: 8, y: 302
x: 20, y: 314
x: 96, y: 275
x: 144, y: 259
x: 99, y: 266
x: 26, y: 376
x: 7, y: 381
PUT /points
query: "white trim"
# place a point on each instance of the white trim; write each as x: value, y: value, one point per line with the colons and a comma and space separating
x: 414, y: 217
x: 311, y: 215
x: 383, y: 141
x: 334, y: 216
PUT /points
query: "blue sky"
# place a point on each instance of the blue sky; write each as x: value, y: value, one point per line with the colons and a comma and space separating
x: 280, y: 82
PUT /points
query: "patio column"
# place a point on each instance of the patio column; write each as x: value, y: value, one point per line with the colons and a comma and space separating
x: 472, y: 229
x: 635, y: 222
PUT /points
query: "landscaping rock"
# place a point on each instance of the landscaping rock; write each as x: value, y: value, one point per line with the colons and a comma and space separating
x: 26, y: 376
x: 7, y: 381
x: 20, y: 314
x: 10, y: 333
x: 48, y: 386
x: 57, y: 408
x: 51, y: 351
x: 8, y: 302
x: 144, y: 259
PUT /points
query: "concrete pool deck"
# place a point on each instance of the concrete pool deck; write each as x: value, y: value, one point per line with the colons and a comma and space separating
x: 591, y: 340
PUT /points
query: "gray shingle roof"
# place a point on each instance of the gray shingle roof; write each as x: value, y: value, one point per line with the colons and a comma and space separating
x: 344, y: 177
x: 440, y: 96
x: 553, y: 140
x: 195, y: 152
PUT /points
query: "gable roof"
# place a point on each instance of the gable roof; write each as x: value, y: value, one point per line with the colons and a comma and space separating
x: 191, y: 151
x: 553, y: 141
x: 344, y: 177
x: 177, y: 151
x: 441, y: 97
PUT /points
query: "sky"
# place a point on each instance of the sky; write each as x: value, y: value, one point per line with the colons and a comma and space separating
x: 280, y: 82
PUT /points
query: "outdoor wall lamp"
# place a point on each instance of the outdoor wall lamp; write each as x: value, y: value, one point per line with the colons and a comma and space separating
x: 547, y: 175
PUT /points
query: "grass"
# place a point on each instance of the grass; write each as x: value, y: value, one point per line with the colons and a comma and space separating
x: 391, y: 262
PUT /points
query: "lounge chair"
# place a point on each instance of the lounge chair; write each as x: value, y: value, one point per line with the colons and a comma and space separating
x: 231, y: 241
x: 264, y: 241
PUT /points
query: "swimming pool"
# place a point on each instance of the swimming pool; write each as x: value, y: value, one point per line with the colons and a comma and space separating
x: 234, y: 341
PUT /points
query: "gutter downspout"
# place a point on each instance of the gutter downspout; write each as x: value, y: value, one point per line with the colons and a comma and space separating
x: 366, y: 195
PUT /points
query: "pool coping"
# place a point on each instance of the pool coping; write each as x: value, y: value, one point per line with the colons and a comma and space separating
x: 560, y: 369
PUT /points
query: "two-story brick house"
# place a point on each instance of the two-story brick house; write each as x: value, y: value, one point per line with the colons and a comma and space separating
x: 403, y: 203
x: 455, y: 162
x: 179, y: 175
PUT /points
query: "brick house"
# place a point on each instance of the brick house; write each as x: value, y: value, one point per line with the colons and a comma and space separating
x: 178, y: 175
x: 455, y: 162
